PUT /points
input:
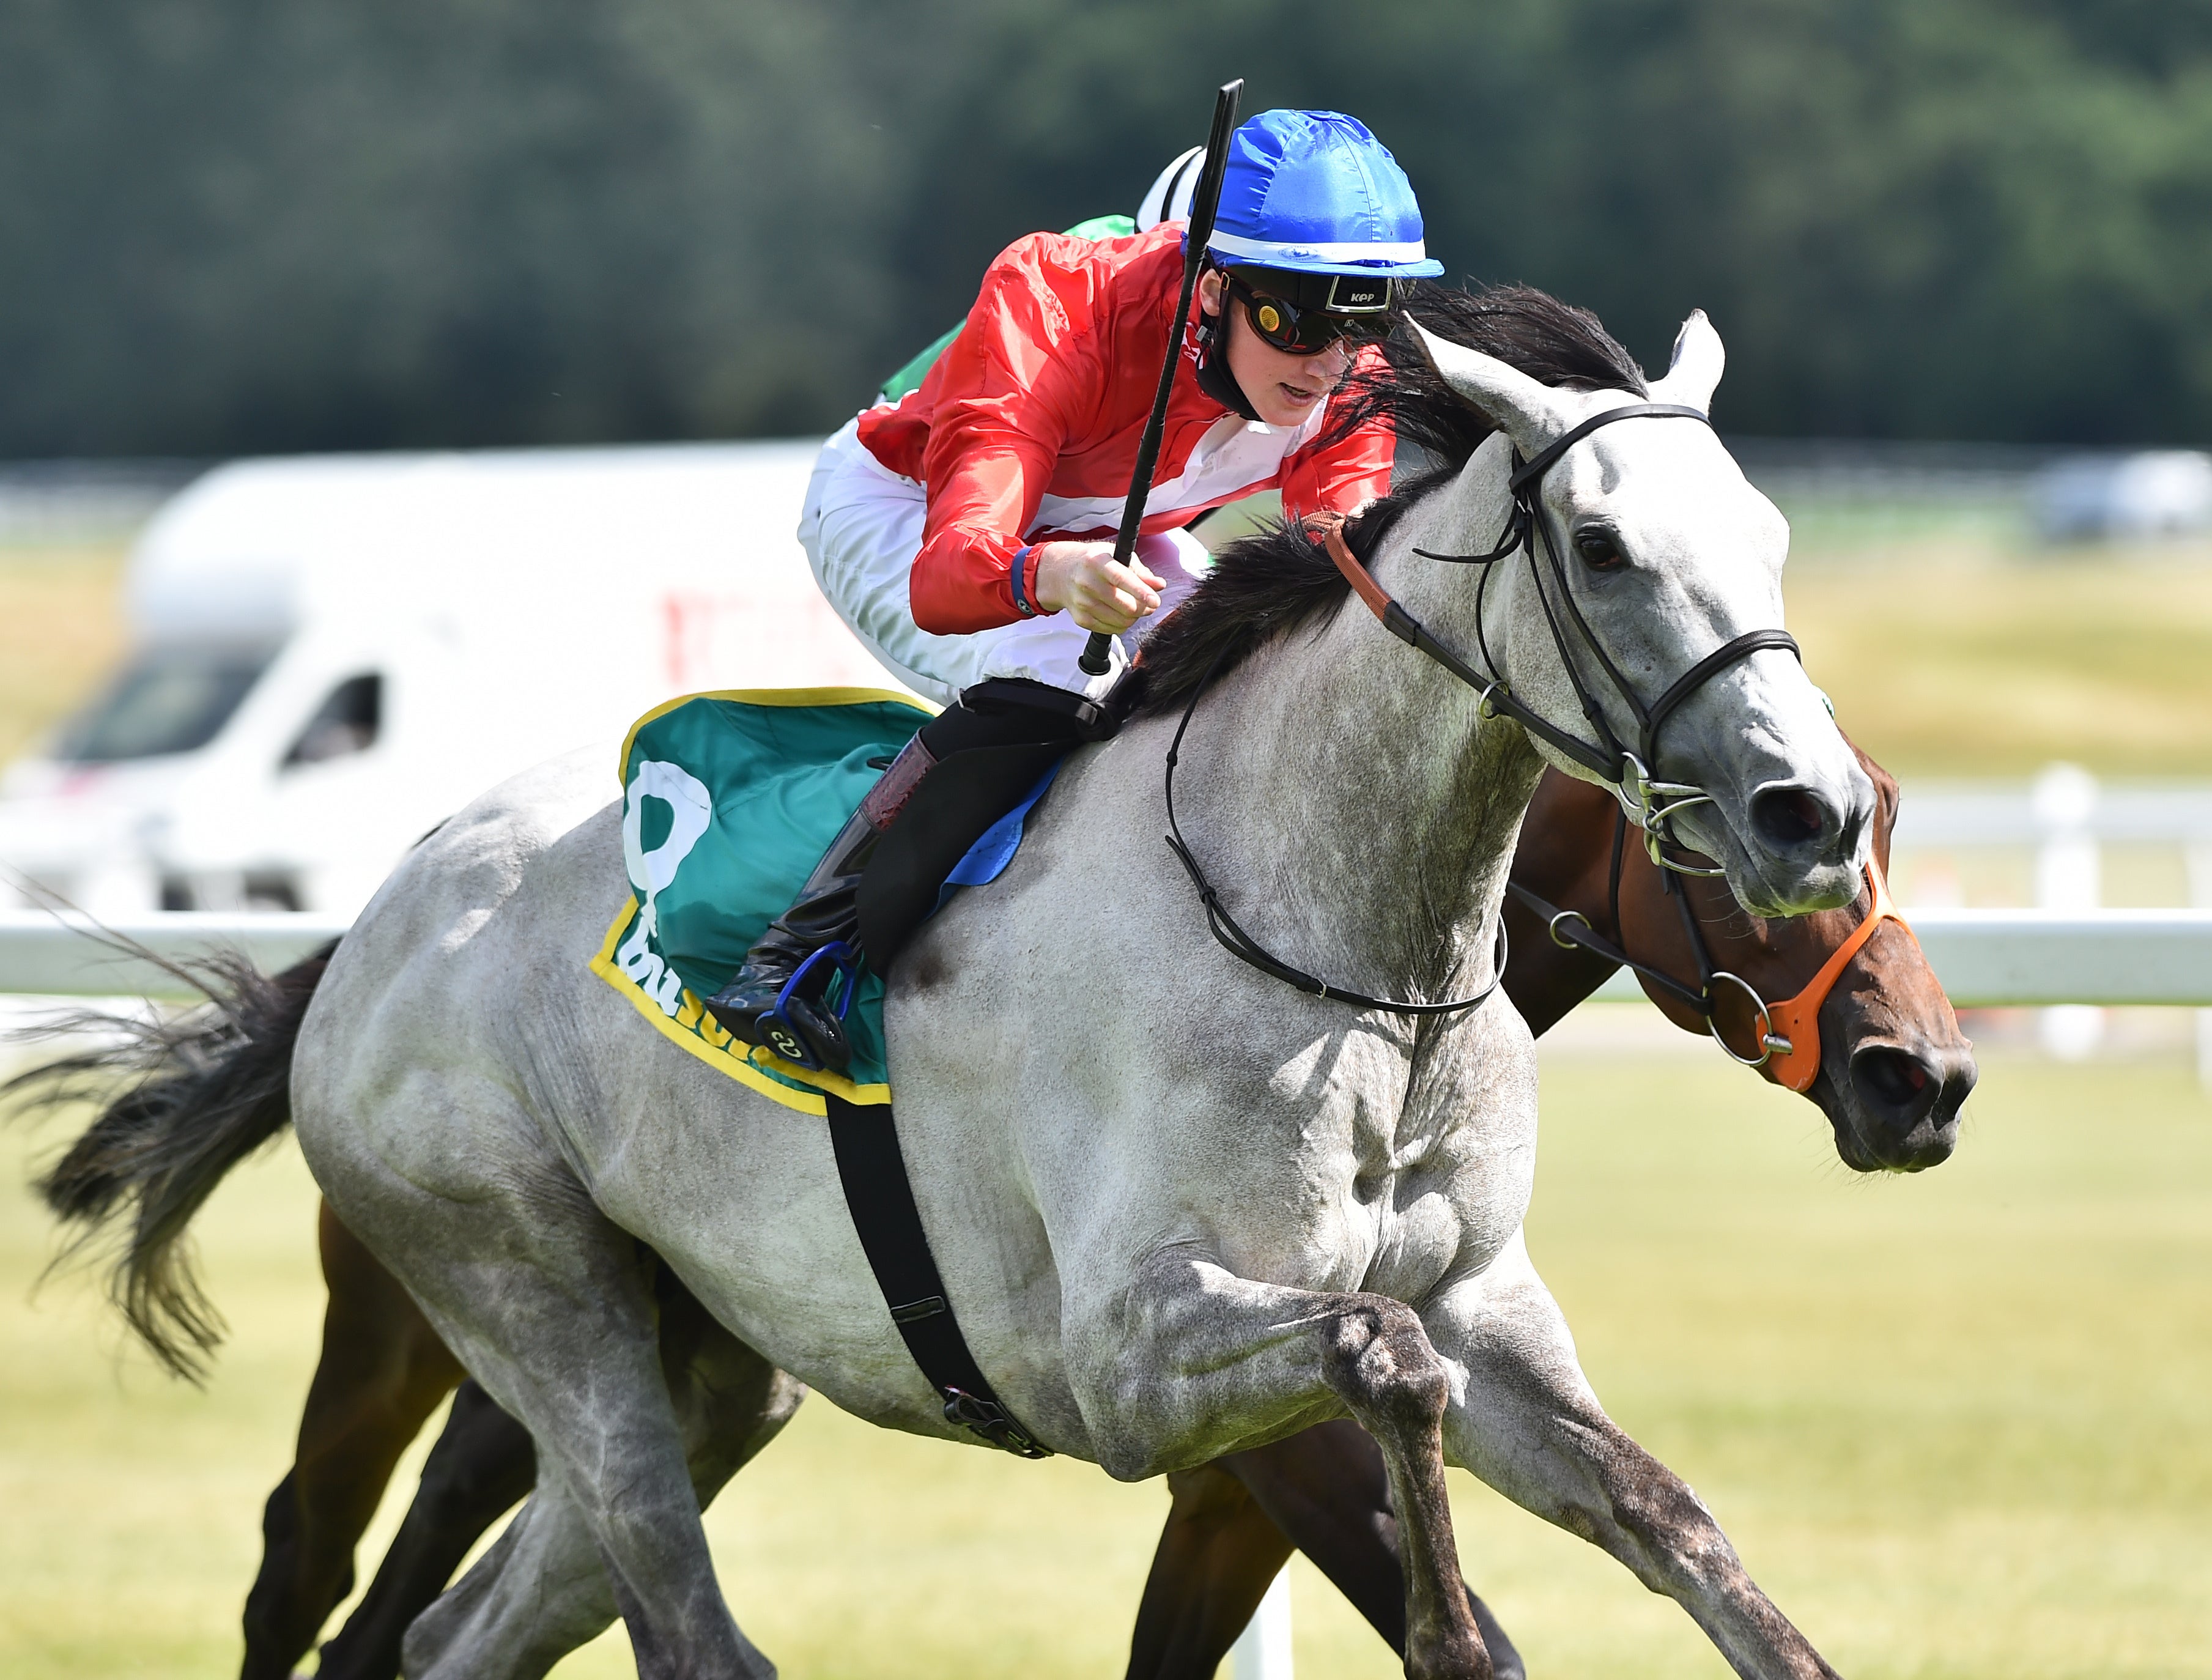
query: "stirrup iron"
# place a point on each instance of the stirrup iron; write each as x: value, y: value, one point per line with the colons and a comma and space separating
x: 801, y: 1033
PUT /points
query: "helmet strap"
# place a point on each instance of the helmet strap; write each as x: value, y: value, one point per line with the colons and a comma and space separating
x: 1213, y: 375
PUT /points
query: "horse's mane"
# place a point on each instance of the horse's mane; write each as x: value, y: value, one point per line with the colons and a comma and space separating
x: 1278, y: 580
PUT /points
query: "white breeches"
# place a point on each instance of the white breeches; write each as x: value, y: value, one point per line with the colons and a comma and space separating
x: 861, y: 529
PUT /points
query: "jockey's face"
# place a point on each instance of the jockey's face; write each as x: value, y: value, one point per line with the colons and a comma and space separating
x: 1285, y: 389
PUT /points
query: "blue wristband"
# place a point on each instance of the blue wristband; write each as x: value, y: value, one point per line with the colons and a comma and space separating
x: 1022, y: 603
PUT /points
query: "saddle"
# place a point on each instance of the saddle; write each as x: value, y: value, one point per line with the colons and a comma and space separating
x: 728, y: 800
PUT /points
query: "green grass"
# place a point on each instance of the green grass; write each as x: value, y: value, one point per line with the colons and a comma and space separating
x: 1954, y: 645
x: 1956, y: 1424
x: 1960, y: 659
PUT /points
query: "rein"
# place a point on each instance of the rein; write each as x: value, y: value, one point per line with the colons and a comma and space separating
x: 1242, y: 946
x: 1654, y: 804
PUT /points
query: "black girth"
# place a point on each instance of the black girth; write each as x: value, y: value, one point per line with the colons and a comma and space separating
x: 990, y: 748
x: 881, y: 1199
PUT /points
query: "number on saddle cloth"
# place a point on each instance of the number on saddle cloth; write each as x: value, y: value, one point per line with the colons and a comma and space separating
x: 729, y: 798
x: 690, y: 808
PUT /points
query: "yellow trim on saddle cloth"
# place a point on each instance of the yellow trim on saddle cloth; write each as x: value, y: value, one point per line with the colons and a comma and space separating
x: 772, y: 696
x: 699, y: 1032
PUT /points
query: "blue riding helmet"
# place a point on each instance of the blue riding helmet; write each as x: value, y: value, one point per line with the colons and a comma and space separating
x: 1317, y: 232
x: 1314, y: 193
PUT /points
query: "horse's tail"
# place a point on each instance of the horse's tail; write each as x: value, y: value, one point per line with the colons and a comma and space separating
x: 201, y: 1092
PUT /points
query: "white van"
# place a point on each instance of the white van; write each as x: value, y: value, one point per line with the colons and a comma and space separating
x: 332, y: 653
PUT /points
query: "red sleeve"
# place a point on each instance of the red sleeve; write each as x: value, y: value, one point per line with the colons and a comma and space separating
x: 1338, y: 478
x: 1024, y: 373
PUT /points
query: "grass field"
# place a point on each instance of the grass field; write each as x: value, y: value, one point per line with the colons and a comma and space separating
x: 1965, y: 659
x: 1956, y: 1424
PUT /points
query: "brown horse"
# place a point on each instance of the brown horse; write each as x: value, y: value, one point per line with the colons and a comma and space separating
x: 1876, y: 1045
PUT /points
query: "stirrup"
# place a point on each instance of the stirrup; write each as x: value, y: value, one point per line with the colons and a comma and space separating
x: 804, y: 1035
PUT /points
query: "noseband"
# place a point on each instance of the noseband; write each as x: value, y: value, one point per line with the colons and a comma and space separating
x: 1653, y: 804
x: 1789, y: 1030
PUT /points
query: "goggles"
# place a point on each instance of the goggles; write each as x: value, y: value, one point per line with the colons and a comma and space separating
x: 1320, y: 310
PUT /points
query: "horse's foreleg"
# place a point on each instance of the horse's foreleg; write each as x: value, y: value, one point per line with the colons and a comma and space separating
x: 1191, y: 1358
x: 383, y: 1371
x: 1530, y: 1425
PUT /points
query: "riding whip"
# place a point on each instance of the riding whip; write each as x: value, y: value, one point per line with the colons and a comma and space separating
x: 1097, y: 652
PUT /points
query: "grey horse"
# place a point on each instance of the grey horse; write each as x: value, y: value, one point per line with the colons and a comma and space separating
x: 1183, y: 1209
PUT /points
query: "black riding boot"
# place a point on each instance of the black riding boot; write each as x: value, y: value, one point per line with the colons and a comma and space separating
x: 966, y: 769
x: 806, y: 1030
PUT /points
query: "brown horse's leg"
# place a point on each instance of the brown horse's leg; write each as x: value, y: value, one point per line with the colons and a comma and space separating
x: 484, y: 1463
x: 1217, y: 1555
x: 382, y: 1372
x: 1326, y: 1489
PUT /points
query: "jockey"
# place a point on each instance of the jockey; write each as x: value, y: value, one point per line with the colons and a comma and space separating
x: 964, y: 531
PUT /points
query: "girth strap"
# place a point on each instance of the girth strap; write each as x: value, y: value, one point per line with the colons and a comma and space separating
x: 880, y: 1198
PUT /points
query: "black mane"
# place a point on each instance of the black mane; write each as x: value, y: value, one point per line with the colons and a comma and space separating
x: 1277, y: 579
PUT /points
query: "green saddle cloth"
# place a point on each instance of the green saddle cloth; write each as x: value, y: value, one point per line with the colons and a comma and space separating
x: 729, y: 800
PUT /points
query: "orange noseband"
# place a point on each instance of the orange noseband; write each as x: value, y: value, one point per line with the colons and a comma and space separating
x: 1797, y: 1020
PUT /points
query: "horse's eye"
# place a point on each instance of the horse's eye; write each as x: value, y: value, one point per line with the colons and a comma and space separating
x: 1598, y: 551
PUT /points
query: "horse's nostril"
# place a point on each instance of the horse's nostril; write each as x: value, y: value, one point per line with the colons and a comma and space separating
x: 1895, y: 1085
x: 1788, y: 817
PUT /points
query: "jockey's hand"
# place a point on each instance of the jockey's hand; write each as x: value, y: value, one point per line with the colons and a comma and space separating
x: 1082, y: 580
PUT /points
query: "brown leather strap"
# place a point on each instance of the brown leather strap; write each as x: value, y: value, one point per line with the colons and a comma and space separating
x: 1361, y: 580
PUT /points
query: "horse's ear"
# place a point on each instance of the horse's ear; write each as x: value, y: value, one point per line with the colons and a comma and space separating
x: 1696, y: 369
x: 1529, y: 413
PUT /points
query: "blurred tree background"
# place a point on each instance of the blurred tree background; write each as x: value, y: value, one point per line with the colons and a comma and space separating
x: 272, y: 225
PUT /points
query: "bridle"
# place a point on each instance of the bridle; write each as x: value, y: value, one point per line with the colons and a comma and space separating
x: 1654, y: 804
x: 1789, y: 1032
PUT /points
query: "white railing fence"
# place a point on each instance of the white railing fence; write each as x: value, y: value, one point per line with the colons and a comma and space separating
x: 1989, y: 957
x: 67, y: 955
x: 2066, y: 816
x: 1983, y: 957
